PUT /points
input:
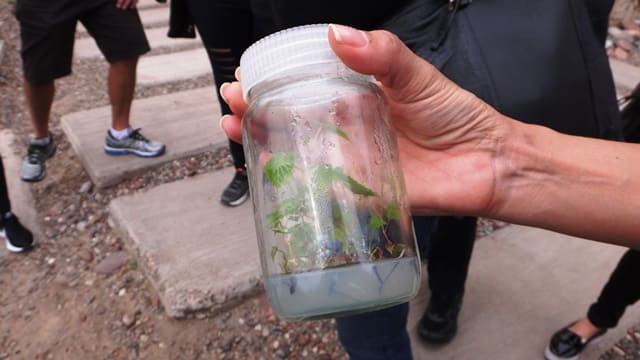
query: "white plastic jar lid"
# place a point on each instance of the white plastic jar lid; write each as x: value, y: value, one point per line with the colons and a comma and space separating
x: 288, y: 52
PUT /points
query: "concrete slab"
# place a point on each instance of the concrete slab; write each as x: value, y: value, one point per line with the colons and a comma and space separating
x: 150, y: 16
x: 198, y: 254
x: 22, y: 203
x: 625, y: 75
x: 176, y: 66
x: 524, y: 284
x: 86, y: 48
x: 145, y: 4
x: 1, y: 50
x: 187, y: 122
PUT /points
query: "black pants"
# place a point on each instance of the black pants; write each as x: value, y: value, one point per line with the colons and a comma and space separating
x: 621, y: 290
x: 449, y: 254
x: 226, y: 32
x: 5, y: 203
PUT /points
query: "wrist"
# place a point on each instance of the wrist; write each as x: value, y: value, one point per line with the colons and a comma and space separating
x: 521, y: 167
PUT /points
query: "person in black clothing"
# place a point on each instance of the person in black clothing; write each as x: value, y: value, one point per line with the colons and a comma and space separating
x: 559, y: 78
x: 619, y: 292
x: 18, y: 238
x: 225, y: 27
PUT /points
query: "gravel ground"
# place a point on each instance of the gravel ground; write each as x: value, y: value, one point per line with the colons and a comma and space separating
x: 81, y: 293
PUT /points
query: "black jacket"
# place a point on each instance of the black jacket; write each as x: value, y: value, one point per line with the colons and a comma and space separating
x: 540, y: 61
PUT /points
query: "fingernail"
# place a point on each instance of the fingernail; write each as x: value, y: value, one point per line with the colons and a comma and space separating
x: 237, y: 73
x: 222, y: 120
x: 222, y: 92
x: 349, y: 36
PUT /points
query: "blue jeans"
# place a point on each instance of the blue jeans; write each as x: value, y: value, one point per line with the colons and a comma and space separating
x: 382, y: 335
x: 379, y: 335
x: 448, y: 242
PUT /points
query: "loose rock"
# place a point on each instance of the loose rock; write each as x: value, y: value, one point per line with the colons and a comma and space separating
x: 112, y: 262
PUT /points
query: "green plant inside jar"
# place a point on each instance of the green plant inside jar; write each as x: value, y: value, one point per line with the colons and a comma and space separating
x: 370, y: 233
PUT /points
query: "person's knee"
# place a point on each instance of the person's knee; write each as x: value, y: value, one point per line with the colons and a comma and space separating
x: 124, y: 63
x: 38, y: 85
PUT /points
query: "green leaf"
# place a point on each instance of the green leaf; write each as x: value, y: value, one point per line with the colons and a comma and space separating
x: 376, y: 222
x: 279, y: 169
x: 358, y: 188
x: 286, y: 208
x: 336, y: 130
x: 392, y: 211
x: 301, y: 243
x: 326, y: 174
x: 341, y: 236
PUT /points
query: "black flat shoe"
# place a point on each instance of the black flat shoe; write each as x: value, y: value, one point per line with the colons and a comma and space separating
x: 567, y: 345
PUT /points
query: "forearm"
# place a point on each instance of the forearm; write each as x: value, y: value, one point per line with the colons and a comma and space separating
x: 585, y: 187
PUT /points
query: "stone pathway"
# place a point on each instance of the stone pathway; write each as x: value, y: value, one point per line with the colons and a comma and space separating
x: 523, y: 285
x: 184, y: 121
x: 86, y: 48
x: 159, y: 69
x: 1, y: 50
x: 198, y: 254
x: 625, y: 75
x: 152, y: 15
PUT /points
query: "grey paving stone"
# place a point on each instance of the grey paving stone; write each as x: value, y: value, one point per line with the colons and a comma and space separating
x: 86, y: 48
x: 625, y: 75
x: 524, y: 284
x: 150, y: 16
x: 198, y: 254
x: 184, y: 121
x: 145, y: 4
x: 175, y: 66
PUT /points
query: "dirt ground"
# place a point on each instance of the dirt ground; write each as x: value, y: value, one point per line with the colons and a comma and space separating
x: 74, y: 297
x: 77, y: 297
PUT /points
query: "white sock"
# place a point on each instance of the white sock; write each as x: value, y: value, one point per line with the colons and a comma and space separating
x: 41, y: 141
x: 120, y: 134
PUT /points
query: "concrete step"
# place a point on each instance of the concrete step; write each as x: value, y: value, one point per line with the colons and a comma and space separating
x: 86, y: 48
x: 524, y: 284
x: 150, y: 16
x: 625, y: 75
x: 185, y: 121
x: 145, y: 4
x: 198, y: 254
x: 176, y: 66
x: 1, y: 50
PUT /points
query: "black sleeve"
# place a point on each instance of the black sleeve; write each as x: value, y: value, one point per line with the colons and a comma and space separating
x: 363, y: 14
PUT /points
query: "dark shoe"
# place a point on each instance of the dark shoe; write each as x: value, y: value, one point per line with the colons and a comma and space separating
x: 566, y: 345
x: 439, y: 324
x: 19, y: 239
x: 238, y: 189
x: 33, y: 168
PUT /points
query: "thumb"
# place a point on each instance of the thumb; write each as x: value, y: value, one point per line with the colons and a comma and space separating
x: 383, y: 55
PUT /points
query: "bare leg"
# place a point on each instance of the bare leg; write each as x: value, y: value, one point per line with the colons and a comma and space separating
x: 584, y: 328
x: 121, y: 82
x: 39, y: 99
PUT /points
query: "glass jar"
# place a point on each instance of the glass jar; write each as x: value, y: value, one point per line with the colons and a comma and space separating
x: 331, y: 212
